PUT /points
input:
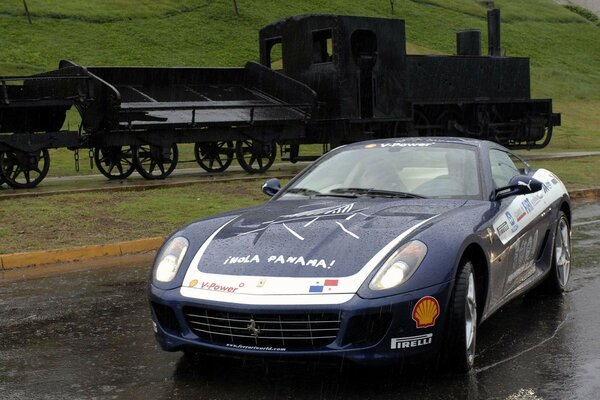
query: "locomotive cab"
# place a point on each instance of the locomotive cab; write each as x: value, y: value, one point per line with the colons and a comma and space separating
x: 356, y: 65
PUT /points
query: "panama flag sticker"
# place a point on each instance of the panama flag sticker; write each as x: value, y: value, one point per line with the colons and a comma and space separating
x: 323, y: 286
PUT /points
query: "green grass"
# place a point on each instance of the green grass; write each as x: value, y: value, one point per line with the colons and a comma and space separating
x: 564, y: 55
x: 578, y: 173
x: 60, y: 221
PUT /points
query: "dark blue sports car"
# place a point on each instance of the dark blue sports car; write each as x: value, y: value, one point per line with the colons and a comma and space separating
x: 379, y: 251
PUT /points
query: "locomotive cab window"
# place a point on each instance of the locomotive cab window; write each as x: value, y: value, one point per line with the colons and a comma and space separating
x: 322, y: 48
x: 274, y: 53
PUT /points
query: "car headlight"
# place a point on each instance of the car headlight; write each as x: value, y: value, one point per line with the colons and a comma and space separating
x: 170, y: 258
x: 400, y: 266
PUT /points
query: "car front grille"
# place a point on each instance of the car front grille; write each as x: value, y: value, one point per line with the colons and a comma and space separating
x: 290, y: 331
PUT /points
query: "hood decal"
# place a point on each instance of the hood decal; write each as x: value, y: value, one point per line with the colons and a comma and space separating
x: 312, y: 215
x: 280, y: 290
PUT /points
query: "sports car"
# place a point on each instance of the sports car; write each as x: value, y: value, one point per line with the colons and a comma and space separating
x: 379, y: 251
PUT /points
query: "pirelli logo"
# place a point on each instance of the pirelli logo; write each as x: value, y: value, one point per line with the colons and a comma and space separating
x: 411, y: 341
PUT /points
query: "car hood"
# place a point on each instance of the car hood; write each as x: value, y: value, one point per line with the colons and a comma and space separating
x: 322, y: 243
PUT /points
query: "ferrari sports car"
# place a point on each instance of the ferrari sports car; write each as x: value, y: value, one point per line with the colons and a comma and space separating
x: 378, y: 252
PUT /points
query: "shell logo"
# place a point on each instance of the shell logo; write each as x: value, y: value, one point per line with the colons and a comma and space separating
x: 426, y: 311
x: 370, y: 146
x: 193, y: 283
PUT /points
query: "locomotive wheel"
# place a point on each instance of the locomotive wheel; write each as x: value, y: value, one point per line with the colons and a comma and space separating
x: 214, y: 156
x: 155, y: 162
x: 255, y: 156
x: 114, y: 162
x: 23, y: 170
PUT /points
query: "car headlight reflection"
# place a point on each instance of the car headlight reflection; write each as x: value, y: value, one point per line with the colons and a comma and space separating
x: 170, y: 258
x: 400, y: 266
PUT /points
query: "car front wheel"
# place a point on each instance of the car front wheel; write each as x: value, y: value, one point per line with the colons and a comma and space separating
x: 458, y: 353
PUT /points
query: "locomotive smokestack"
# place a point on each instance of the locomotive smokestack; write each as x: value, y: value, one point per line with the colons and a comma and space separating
x: 493, y: 18
x: 468, y: 42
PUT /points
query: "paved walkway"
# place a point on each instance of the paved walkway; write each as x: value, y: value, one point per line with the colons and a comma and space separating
x: 592, y: 5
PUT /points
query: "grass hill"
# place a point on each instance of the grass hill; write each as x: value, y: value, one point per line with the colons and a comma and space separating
x: 563, y: 45
x: 565, y: 64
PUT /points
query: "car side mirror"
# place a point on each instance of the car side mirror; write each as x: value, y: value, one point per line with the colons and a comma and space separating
x: 271, y: 187
x: 518, y: 185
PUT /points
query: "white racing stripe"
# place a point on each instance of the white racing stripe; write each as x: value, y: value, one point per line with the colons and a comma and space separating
x: 525, y: 209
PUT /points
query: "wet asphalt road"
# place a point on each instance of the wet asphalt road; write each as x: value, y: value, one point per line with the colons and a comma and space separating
x: 87, y: 335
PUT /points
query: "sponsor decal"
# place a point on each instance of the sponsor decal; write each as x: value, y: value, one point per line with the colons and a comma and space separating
x: 220, y: 288
x: 193, y: 282
x: 502, y: 228
x: 527, y: 206
x: 406, y: 144
x: 546, y: 186
x: 426, y: 312
x: 527, y: 185
x: 411, y: 341
x: 244, y: 347
x: 523, y: 209
x: 370, y: 146
x: 510, y: 218
x: 322, y: 286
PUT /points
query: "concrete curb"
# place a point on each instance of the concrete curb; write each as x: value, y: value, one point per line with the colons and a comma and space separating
x: 37, y: 258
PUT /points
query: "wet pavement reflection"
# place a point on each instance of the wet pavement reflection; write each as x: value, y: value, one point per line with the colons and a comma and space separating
x: 87, y: 334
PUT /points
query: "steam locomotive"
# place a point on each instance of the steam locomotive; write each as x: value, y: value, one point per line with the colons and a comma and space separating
x: 322, y: 79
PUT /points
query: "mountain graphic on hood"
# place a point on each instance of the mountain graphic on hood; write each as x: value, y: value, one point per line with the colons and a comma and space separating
x: 305, y: 238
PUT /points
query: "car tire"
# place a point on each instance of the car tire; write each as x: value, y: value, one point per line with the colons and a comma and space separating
x: 560, y: 269
x: 458, y: 352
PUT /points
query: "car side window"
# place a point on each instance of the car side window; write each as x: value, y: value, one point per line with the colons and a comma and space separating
x: 503, y: 167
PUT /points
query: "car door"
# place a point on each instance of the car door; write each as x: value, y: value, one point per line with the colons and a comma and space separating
x: 526, y: 234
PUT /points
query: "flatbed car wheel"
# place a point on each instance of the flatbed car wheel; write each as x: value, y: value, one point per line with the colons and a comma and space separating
x: 255, y: 156
x: 114, y: 162
x: 155, y: 162
x: 458, y: 353
x: 214, y: 156
x: 23, y: 170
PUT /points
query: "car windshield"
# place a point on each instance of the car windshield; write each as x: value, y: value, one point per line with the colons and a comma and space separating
x: 393, y: 169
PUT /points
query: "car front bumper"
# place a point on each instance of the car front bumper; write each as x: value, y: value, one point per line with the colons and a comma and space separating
x: 365, y: 331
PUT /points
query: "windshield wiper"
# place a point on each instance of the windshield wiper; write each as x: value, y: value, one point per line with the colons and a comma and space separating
x: 304, y: 191
x: 371, y: 192
x: 393, y: 193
